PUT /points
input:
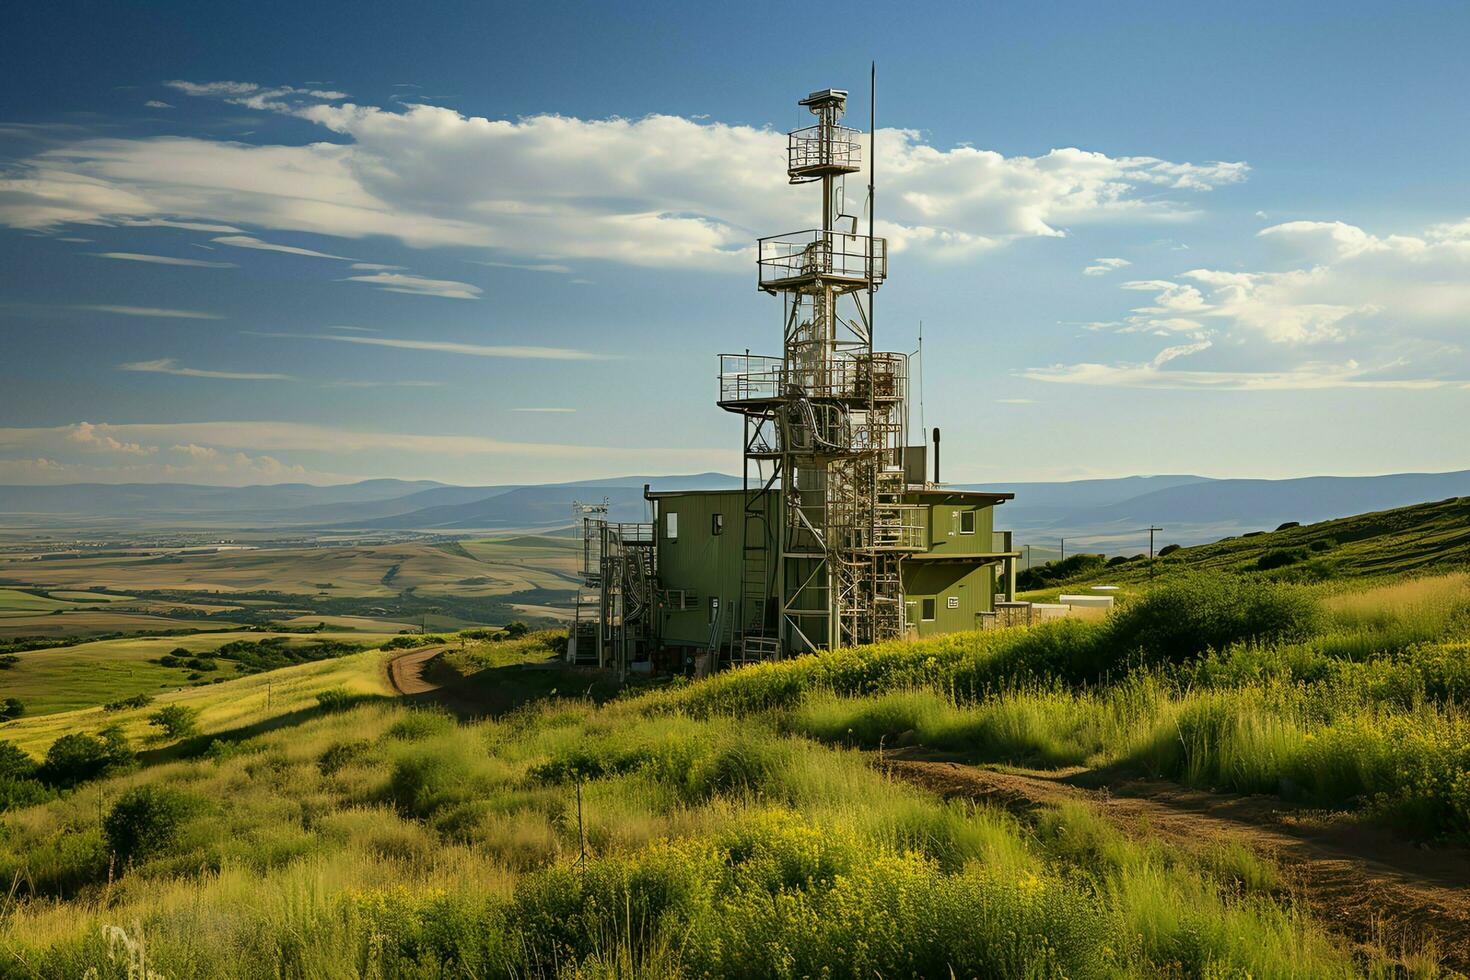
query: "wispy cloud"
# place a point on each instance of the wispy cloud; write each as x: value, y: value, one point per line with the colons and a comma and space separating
x: 376, y: 267
x: 551, y: 411
x: 1101, y: 267
x: 383, y: 384
x: 247, y: 241
x: 1156, y: 373
x: 400, y: 282
x: 152, y: 311
x: 157, y: 104
x: 454, y: 347
x: 163, y: 260
x: 169, y: 365
x: 527, y: 266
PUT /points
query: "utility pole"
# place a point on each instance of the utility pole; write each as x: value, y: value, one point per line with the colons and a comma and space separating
x: 1028, y: 557
x: 1151, y: 530
x: 1064, y: 551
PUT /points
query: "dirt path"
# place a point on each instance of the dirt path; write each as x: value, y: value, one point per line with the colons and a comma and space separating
x: 405, y: 672
x: 1361, y: 882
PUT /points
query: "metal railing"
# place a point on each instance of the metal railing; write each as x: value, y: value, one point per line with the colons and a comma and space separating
x: 817, y: 148
x: 834, y: 254
x: 846, y: 376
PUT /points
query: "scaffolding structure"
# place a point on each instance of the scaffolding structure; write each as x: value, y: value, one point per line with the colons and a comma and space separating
x: 825, y: 526
x: 614, y: 614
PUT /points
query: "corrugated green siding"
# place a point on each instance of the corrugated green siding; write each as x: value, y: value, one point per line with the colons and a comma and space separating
x: 700, y: 562
x: 944, y: 528
x: 971, y: 585
x: 704, y: 565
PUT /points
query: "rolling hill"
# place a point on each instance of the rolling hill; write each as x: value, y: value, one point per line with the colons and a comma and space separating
x: 1400, y: 541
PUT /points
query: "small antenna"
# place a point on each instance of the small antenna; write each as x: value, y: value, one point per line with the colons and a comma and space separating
x: 922, y: 426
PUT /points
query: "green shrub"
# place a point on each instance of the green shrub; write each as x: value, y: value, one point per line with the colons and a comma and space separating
x: 1180, y: 619
x: 136, y: 701
x: 203, y: 664
x: 78, y: 757
x: 341, y: 755
x: 8, y: 660
x: 145, y: 821
x: 11, y: 708
x: 1279, y: 558
x: 15, y: 763
x: 336, y: 699
x: 1168, y: 549
x: 422, y: 723
x: 175, y: 721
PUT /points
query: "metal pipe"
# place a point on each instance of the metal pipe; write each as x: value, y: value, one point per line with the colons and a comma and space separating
x: 936, y: 454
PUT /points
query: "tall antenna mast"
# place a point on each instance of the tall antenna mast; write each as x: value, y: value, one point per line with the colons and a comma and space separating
x: 826, y: 522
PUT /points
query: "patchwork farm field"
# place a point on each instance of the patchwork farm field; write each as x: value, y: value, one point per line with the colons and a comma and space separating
x: 445, y: 585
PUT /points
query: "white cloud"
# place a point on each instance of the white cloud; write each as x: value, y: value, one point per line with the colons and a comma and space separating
x: 157, y: 104
x: 384, y: 384
x: 1392, y: 309
x: 454, y: 347
x: 1155, y: 373
x: 87, y: 436
x: 153, y: 311
x: 163, y: 260
x: 168, y: 365
x: 376, y: 266
x: 1102, y: 267
x: 402, y: 282
x: 247, y: 241
x: 283, y: 437
x: 659, y: 191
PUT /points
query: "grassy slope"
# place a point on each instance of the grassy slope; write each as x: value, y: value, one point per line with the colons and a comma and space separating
x: 1393, y: 542
x: 386, y: 842
x: 233, y: 704
x: 90, y: 674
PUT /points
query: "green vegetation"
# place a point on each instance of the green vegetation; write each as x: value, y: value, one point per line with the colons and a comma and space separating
x: 65, y: 677
x: 734, y: 826
x: 392, y: 842
x: 1408, y: 540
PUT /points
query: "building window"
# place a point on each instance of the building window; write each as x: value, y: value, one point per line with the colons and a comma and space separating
x: 967, y: 522
x: 717, y: 524
x: 928, y: 610
x: 671, y: 527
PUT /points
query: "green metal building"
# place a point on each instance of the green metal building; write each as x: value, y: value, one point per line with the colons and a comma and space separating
x: 952, y: 584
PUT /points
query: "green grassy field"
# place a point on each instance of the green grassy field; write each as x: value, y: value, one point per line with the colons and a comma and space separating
x: 737, y: 826
x: 264, y: 700
x: 1392, y: 543
x: 62, y: 679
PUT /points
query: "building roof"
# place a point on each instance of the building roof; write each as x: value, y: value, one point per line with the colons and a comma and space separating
x: 998, y: 496
x: 994, y: 496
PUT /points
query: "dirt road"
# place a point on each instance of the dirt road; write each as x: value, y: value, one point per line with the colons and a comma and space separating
x: 1374, y: 889
x: 405, y: 672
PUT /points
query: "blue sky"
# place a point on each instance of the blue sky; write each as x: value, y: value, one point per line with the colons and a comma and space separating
x: 490, y: 243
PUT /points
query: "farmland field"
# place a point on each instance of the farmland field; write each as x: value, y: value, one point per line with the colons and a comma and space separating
x: 441, y: 585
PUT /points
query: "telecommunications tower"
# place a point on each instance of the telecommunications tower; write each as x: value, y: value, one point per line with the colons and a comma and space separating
x: 825, y: 526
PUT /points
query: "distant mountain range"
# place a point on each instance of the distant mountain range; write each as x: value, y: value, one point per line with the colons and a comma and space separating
x: 1102, y: 515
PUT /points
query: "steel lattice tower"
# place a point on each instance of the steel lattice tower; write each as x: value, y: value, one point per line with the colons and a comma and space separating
x: 825, y: 523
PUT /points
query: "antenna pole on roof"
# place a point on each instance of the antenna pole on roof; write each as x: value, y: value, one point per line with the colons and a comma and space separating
x: 872, y: 180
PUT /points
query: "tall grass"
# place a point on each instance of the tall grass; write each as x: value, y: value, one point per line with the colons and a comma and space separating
x: 715, y: 846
